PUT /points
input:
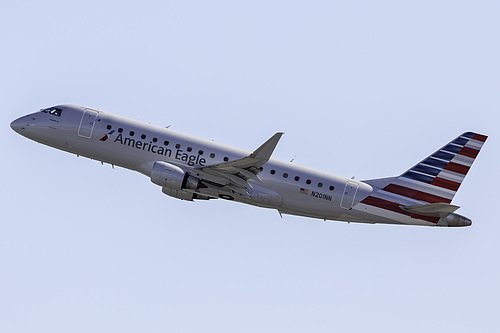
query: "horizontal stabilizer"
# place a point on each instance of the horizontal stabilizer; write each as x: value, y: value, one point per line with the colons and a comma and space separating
x: 434, y: 209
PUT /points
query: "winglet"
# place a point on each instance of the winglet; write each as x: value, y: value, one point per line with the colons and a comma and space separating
x: 247, y: 167
x: 265, y: 151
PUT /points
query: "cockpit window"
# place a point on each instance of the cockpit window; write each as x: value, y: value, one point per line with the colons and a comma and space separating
x: 53, y: 111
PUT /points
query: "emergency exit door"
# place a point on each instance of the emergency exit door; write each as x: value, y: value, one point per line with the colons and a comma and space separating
x: 87, y: 124
x: 350, y: 190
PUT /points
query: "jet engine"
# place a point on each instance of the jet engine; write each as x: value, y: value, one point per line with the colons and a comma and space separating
x: 174, y: 181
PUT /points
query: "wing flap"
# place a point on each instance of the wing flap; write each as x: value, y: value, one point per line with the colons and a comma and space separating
x: 248, y: 174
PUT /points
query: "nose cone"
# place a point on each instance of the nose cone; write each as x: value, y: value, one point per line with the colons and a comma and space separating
x: 18, y: 124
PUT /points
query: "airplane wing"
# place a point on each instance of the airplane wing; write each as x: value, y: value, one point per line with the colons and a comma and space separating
x: 236, y: 174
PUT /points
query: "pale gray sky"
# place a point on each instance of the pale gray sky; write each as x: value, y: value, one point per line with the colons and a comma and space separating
x: 362, y: 88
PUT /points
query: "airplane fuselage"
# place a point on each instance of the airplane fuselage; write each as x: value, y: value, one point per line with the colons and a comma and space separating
x: 149, y: 149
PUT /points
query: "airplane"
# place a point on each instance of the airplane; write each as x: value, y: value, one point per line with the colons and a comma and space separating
x: 191, y: 168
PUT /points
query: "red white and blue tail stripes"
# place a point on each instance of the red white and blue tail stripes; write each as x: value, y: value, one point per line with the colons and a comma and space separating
x: 436, y: 179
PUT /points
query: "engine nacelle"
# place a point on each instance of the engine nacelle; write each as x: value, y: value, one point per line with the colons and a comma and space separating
x: 174, y: 180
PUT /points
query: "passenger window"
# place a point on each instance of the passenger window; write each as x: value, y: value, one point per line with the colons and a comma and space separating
x: 320, y: 184
x: 143, y: 136
x: 285, y: 175
x: 273, y: 172
x: 132, y: 133
x: 226, y: 159
x: 308, y: 181
x: 189, y: 149
x: 212, y: 155
x: 120, y: 130
x: 297, y: 178
x: 332, y: 188
x: 200, y: 152
x: 155, y: 139
x: 177, y: 146
x: 166, y: 143
x: 109, y: 127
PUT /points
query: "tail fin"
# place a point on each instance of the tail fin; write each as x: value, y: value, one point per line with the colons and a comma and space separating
x: 437, y: 178
x: 426, y: 190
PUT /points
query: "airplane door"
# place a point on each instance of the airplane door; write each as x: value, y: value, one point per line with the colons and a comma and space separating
x: 350, y: 190
x: 87, y: 124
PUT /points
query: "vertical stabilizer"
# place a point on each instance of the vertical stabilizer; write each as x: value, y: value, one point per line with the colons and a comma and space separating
x: 438, y: 177
x: 435, y: 180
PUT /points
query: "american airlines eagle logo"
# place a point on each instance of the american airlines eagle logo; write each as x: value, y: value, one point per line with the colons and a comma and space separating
x: 104, y: 138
